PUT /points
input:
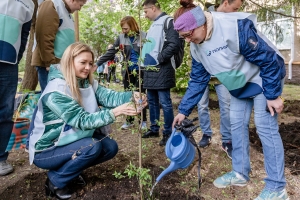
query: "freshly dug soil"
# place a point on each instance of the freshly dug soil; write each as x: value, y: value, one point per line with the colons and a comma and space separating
x: 291, y: 141
x: 290, y: 134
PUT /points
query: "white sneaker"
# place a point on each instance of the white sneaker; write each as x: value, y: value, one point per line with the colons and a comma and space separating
x: 144, y: 125
x: 5, y: 168
x: 273, y: 195
x: 126, y: 126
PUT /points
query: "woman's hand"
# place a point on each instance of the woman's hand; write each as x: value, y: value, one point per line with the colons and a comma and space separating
x: 178, y: 119
x: 128, y: 109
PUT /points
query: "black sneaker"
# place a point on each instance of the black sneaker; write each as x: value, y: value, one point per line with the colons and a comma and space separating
x: 205, y: 141
x: 79, y: 181
x: 164, y: 140
x: 227, y: 147
x: 149, y: 134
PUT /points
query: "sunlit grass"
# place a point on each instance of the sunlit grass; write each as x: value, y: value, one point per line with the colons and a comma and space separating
x: 291, y: 92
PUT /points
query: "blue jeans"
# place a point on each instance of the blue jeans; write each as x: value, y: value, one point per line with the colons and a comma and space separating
x: 89, y: 152
x: 164, y: 98
x: 43, y: 77
x: 204, y: 115
x: 267, y: 129
x: 8, y: 89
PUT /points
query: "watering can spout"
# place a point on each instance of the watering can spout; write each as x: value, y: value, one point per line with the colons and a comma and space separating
x: 172, y: 167
x: 180, y: 151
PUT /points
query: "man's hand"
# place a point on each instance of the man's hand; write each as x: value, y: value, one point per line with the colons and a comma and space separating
x: 178, y: 119
x: 277, y: 104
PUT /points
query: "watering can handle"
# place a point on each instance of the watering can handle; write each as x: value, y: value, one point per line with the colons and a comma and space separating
x: 172, y: 135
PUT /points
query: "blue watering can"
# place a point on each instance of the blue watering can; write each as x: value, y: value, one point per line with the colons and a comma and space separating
x: 180, y: 151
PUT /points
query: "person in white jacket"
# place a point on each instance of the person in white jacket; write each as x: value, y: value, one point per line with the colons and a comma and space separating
x: 15, y: 22
x: 228, y: 46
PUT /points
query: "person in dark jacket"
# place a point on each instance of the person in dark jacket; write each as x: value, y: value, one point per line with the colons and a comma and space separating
x: 228, y: 46
x: 111, y: 68
x: 129, y: 43
x: 157, y: 53
x: 15, y: 25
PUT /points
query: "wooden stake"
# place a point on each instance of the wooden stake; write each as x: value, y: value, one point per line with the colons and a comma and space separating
x: 76, y: 24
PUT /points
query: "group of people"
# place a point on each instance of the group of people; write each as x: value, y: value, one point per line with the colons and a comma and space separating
x: 65, y: 134
x: 107, y: 71
x: 157, y: 82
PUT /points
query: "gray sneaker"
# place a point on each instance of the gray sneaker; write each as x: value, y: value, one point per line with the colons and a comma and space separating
x: 230, y: 178
x: 5, y: 168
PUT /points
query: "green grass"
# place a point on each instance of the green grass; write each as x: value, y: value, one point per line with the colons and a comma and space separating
x: 291, y: 92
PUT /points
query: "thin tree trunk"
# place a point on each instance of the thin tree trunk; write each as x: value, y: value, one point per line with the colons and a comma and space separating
x: 76, y: 18
x: 30, y: 79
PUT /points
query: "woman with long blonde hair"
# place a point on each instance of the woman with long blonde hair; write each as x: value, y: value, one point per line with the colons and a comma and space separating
x: 67, y: 137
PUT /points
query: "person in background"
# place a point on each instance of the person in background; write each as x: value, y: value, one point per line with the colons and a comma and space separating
x: 54, y: 32
x: 228, y: 46
x: 100, y: 70
x: 67, y: 137
x: 223, y: 97
x: 129, y: 43
x: 15, y: 22
x: 158, y: 53
x: 111, y: 68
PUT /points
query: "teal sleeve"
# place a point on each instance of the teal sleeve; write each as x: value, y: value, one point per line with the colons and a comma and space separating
x: 71, y: 112
x: 110, y: 99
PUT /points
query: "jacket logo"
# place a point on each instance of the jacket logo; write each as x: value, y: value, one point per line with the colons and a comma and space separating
x: 208, y: 53
x: 252, y: 43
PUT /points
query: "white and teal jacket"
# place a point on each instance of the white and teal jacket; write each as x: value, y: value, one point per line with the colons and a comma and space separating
x: 15, y: 21
x: 158, y: 51
x: 239, y: 56
x: 60, y: 120
x: 66, y: 33
x: 155, y: 41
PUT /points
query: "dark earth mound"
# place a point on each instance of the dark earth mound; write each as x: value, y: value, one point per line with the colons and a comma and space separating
x: 102, y: 186
x: 290, y: 134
